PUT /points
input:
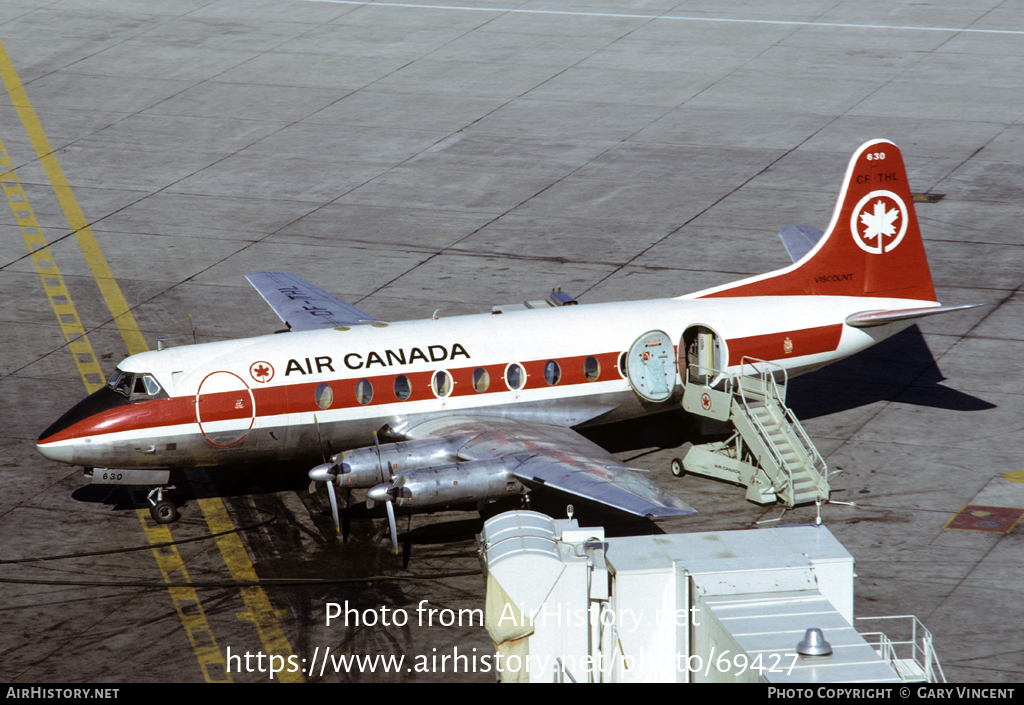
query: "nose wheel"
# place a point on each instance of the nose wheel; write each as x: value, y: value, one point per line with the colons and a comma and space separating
x: 162, y: 510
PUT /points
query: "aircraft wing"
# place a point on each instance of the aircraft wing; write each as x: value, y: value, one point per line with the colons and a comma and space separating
x: 303, y: 306
x: 558, y: 457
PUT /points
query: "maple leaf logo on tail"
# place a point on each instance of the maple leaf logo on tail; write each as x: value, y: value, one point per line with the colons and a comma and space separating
x: 879, y: 222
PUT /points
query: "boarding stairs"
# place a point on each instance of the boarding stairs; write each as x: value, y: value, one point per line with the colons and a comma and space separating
x: 769, y: 451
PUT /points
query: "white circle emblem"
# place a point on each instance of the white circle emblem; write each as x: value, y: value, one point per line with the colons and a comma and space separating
x: 879, y: 222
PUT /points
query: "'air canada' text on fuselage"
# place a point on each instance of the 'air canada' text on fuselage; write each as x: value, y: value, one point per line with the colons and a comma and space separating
x: 386, y: 358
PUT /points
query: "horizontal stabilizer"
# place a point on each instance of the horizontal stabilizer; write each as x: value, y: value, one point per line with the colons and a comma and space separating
x: 303, y: 306
x: 867, y: 319
x: 799, y: 240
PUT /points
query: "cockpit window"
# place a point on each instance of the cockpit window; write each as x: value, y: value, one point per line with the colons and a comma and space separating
x: 134, y: 386
x: 152, y: 387
x: 120, y: 382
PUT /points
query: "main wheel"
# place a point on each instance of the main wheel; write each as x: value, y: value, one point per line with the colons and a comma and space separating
x: 164, y: 512
x: 677, y: 467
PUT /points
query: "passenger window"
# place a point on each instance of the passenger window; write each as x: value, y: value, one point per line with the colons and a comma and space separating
x: 481, y: 379
x: 514, y: 376
x: 442, y: 383
x: 364, y: 391
x: 591, y: 369
x: 552, y: 372
x: 324, y: 395
x: 402, y: 387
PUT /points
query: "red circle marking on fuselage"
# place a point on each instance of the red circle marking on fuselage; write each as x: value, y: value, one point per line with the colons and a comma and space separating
x: 227, y: 399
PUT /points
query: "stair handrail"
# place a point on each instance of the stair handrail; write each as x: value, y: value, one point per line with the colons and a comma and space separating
x: 767, y: 370
x: 769, y: 373
x: 770, y: 389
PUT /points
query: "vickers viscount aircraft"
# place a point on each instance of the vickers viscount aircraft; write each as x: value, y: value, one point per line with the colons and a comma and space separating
x: 480, y: 407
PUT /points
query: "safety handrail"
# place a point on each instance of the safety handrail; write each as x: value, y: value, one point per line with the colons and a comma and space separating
x: 920, y: 646
x: 768, y: 373
x: 770, y: 387
x: 771, y: 377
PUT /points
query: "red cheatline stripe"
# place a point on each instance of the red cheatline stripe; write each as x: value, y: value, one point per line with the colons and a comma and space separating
x: 301, y: 397
x: 774, y: 346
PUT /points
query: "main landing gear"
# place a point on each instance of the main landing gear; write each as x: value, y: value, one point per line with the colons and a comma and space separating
x: 162, y: 510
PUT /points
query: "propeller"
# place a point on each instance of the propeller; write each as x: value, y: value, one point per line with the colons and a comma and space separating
x: 385, y: 493
x: 326, y: 472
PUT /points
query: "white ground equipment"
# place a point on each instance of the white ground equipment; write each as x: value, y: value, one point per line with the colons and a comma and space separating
x: 769, y: 451
x: 566, y: 604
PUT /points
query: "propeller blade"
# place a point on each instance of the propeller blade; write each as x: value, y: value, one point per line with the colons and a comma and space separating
x: 319, y: 439
x: 334, y: 506
x: 394, y: 528
x: 380, y: 465
x: 312, y: 486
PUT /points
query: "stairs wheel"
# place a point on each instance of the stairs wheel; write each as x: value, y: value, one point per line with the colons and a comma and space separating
x: 677, y: 467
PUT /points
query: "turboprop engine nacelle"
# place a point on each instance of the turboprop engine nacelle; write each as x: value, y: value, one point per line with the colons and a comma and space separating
x: 471, y: 481
x: 364, y: 468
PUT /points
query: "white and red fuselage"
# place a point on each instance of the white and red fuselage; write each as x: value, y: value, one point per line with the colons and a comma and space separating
x: 254, y: 399
x: 279, y: 397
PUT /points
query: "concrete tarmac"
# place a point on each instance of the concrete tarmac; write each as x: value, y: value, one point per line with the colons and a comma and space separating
x: 415, y: 157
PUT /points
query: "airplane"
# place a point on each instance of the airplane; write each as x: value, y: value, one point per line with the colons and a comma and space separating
x: 480, y: 407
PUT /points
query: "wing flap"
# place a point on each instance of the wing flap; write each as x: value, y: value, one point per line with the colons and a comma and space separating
x: 613, y: 486
x: 303, y: 306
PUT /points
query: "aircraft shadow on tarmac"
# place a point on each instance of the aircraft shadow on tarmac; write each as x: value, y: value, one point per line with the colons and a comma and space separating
x: 901, y: 369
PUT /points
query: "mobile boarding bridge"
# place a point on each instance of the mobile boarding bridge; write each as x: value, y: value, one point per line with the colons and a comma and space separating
x: 769, y: 452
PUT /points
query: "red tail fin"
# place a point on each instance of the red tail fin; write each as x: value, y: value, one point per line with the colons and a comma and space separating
x: 872, y: 246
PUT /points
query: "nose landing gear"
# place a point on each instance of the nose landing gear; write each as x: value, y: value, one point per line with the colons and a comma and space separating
x: 162, y: 510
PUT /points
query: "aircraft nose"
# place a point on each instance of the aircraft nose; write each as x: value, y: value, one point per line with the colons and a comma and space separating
x: 59, y: 441
x: 62, y: 453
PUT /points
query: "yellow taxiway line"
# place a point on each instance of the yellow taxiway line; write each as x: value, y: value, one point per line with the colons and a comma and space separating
x: 49, y: 274
x: 193, y: 618
x: 69, y: 204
